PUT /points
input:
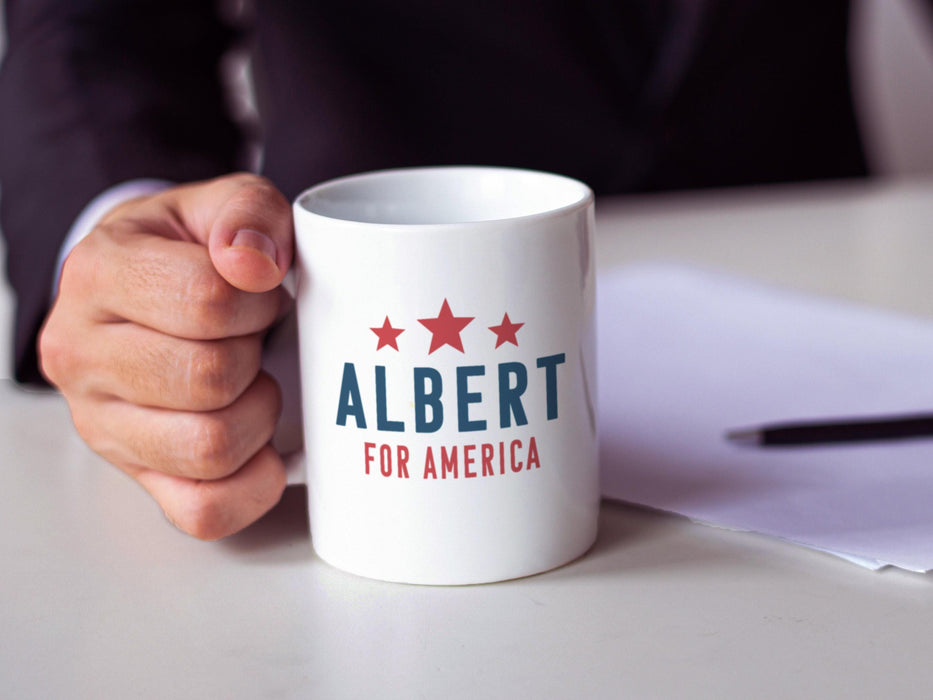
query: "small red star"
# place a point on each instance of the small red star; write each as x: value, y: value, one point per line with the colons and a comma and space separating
x: 445, y: 329
x: 505, y: 331
x: 387, y: 335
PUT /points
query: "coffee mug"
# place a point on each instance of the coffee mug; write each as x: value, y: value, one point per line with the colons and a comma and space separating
x: 446, y: 345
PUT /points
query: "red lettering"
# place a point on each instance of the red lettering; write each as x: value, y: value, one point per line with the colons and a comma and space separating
x: 516, y: 466
x: 403, y: 461
x: 533, y: 454
x: 487, y: 453
x: 385, y: 460
x: 468, y: 459
x: 429, y: 468
x: 513, y: 453
x: 367, y: 454
x: 449, y: 462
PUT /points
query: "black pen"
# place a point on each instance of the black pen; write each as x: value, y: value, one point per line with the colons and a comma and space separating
x: 838, y: 430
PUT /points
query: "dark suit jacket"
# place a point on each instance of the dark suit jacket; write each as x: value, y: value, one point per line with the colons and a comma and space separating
x: 629, y: 96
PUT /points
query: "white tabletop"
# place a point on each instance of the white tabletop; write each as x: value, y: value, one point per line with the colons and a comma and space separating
x: 101, y: 598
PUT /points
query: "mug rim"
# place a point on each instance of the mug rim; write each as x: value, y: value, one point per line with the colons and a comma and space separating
x: 586, y: 196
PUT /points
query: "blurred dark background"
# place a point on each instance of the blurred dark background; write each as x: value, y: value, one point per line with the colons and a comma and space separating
x: 891, y: 59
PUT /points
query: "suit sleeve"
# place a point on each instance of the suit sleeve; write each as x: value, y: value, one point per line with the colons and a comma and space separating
x: 94, y: 93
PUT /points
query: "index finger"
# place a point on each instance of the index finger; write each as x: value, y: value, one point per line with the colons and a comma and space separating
x: 165, y: 284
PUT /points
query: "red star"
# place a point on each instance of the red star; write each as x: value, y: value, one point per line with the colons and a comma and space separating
x: 505, y: 331
x: 445, y: 329
x: 387, y: 335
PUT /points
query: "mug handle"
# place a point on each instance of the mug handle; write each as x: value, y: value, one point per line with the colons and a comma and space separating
x: 294, y: 461
x: 295, y: 468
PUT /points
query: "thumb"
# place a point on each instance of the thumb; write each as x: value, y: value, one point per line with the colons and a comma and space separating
x: 250, y: 234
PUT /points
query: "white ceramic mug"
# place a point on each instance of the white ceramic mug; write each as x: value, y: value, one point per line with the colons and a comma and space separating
x: 447, y: 364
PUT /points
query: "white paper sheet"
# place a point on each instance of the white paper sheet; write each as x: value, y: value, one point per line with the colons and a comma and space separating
x: 685, y: 355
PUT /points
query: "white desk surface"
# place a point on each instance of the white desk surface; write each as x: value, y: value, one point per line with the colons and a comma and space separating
x: 101, y: 598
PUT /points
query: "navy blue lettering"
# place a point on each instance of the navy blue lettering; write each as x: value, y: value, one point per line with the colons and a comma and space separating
x: 425, y: 399
x: 510, y: 397
x: 350, y: 403
x: 382, y: 420
x: 466, y: 397
x: 549, y: 364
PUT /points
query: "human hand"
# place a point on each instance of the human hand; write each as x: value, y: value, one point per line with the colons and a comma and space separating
x: 155, y: 340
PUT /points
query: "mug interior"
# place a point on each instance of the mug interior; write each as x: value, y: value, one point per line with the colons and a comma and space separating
x: 443, y: 195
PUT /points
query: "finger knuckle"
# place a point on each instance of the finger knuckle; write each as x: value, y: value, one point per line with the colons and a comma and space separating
x: 258, y: 196
x: 242, y: 177
x: 211, y: 376
x: 213, y: 448
x: 57, y: 344
x: 245, y: 179
x: 85, y: 426
x: 204, y: 514
x: 57, y: 356
x: 212, y: 302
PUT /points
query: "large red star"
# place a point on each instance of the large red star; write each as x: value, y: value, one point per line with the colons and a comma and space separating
x: 387, y: 335
x: 445, y: 329
x: 505, y: 331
